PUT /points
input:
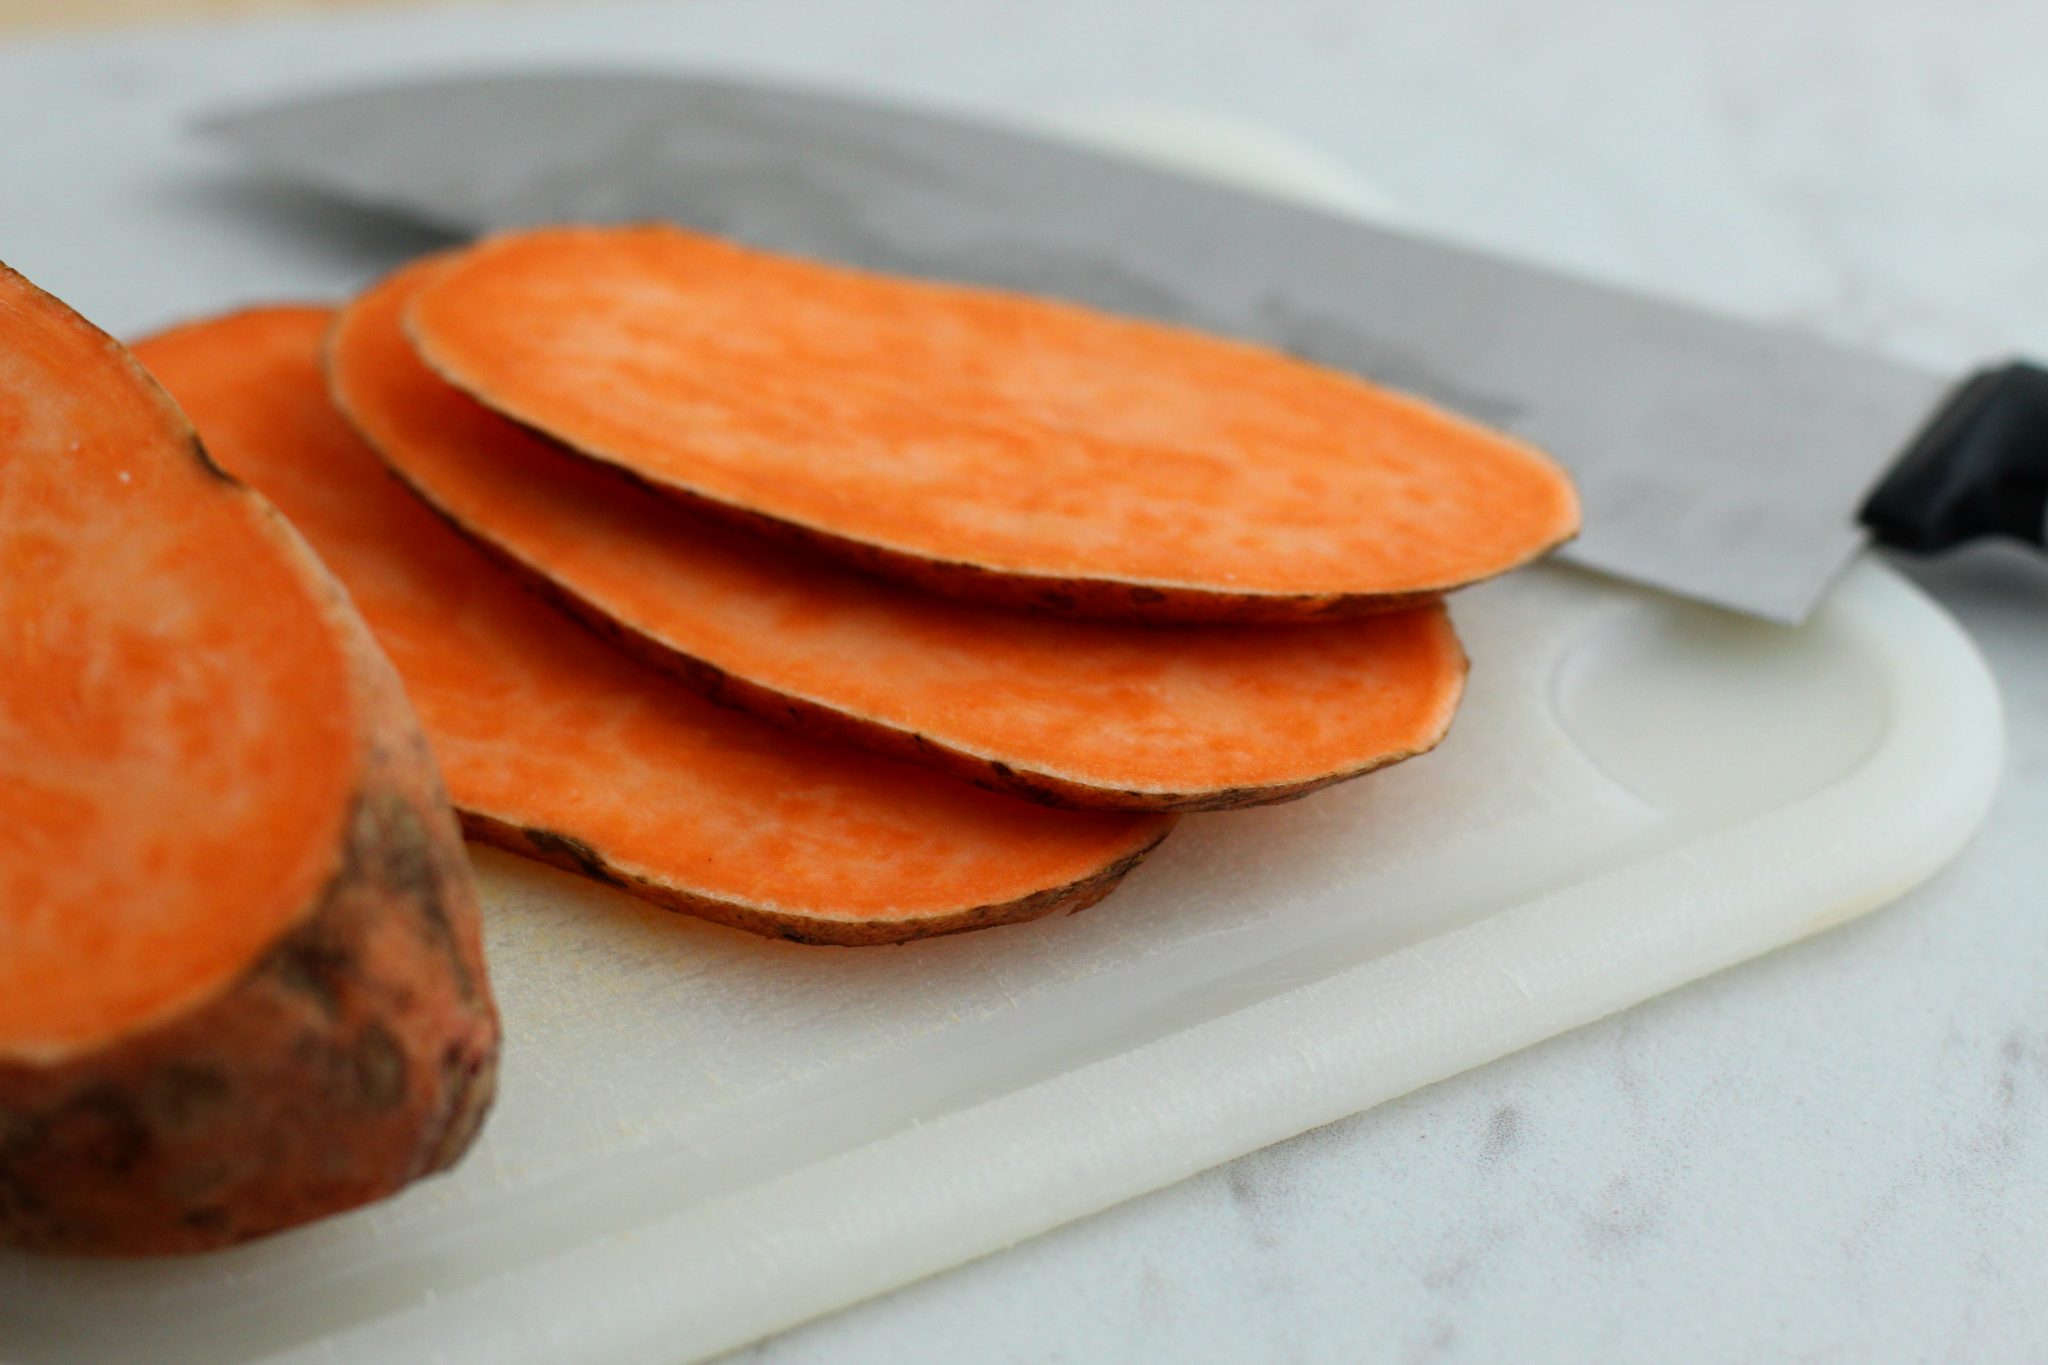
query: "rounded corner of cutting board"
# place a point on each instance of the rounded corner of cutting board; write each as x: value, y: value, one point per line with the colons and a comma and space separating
x: 1927, y: 787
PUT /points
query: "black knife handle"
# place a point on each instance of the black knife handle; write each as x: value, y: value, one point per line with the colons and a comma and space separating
x: 1978, y: 468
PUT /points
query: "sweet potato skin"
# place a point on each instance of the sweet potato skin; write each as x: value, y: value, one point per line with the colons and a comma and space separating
x: 355, y: 1054
x: 572, y: 855
x: 1083, y: 599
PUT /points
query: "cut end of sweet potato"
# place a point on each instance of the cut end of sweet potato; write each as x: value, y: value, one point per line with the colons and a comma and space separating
x: 1069, y: 713
x: 558, y: 746
x: 240, y: 979
x: 155, y: 844
x: 987, y: 445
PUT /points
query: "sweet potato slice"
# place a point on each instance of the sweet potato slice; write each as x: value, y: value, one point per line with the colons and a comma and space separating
x: 560, y: 747
x: 241, y: 984
x: 986, y: 445
x: 1074, y: 713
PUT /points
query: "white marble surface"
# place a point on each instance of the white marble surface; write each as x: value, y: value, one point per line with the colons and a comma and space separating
x: 1837, y: 1153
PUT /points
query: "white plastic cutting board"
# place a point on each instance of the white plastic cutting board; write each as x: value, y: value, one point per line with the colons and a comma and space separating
x: 704, y: 1137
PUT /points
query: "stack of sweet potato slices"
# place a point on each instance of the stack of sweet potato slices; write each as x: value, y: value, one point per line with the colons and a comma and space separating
x: 848, y: 540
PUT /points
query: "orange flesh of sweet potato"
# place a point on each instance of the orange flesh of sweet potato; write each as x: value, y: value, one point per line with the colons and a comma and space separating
x: 241, y: 983
x: 983, y: 444
x: 1070, y: 712
x: 558, y: 746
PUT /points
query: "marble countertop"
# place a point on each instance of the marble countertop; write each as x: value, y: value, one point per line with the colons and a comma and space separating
x: 1835, y: 1153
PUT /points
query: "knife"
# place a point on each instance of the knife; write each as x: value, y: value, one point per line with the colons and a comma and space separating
x: 1720, y: 460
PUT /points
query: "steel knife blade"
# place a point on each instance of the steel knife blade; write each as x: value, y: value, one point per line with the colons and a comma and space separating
x: 1717, y: 459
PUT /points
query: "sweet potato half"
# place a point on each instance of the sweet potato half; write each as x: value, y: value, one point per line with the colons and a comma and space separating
x: 560, y: 747
x: 1073, y: 713
x: 241, y: 984
x: 987, y: 445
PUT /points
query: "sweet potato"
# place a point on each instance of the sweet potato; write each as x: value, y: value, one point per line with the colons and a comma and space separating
x: 1067, y: 712
x: 241, y: 984
x: 560, y: 747
x: 985, y: 445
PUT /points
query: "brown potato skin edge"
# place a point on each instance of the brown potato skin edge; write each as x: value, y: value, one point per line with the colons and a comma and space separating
x: 808, y: 717
x: 574, y: 855
x: 1085, y: 599
x: 357, y: 1054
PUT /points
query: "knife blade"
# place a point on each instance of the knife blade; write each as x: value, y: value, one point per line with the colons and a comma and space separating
x: 1716, y: 459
